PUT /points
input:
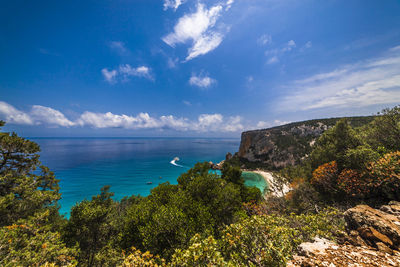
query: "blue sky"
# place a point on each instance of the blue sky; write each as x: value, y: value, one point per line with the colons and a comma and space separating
x: 193, y: 68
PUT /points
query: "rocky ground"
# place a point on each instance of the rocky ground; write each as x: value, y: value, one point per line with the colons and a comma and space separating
x: 372, y: 239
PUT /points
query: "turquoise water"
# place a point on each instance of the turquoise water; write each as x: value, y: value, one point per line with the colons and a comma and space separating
x: 255, y: 179
x: 84, y: 165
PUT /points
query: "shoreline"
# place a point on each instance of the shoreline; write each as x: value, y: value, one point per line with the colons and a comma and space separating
x: 271, y: 184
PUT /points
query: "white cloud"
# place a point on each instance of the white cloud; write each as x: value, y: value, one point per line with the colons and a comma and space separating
x: 13, y: 115
x: 217, y: 123
x: 200, y: 29
x: 205, y: 44
x: 273, y: 60
x: 170, y: 122
x: 110, y: 120
x: 201, y: 81
x: 49, y: 116
x: 396, y: 48
x: 275, y: 54
x: 141, y: 71
x: 119, y: 47
x: 174, y: 4
x: 268, y: 124
x: 229, y: 4
x: 264, y: 39
x: 109, y: 75
x: 365, y: 83
x: 204, y: 123
x: 38, y: 115
x: 126, y: 71
x: 289, y: 46
x: 234, y: 124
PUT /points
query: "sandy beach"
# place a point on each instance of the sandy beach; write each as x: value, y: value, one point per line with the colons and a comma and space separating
x: 270, y: 180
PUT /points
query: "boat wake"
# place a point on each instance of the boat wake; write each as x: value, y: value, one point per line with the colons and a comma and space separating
x: 173, y: 162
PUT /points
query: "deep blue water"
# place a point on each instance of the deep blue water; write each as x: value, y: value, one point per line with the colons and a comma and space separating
x: 84, y: 165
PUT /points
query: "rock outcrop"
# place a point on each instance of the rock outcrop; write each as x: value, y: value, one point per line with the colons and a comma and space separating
x: 323, y: 252
x: 372, y: 239
x: 285, y: 145
x: 375, y: 226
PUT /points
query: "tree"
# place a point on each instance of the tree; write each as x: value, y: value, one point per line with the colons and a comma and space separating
x: 384, y: 131
x: 92, y: 227
x: 232, y: 174
x: 24, y: 192
x: 334, y: 144
x: 201, y: 202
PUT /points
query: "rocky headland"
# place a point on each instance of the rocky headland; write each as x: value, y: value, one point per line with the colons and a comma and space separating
x: 286, y: 145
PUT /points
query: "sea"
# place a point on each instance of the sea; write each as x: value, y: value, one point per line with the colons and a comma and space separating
x: 131, y: 166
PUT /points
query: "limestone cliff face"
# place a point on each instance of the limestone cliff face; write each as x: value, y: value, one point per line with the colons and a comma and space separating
x: 286, y: 145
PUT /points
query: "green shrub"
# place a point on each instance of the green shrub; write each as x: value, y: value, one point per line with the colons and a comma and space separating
x: 31, y: 242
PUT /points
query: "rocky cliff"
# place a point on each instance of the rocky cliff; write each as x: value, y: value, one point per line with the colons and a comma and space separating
x: 285, y: 145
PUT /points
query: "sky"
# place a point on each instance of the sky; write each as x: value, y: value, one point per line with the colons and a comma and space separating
x: 179, y: 68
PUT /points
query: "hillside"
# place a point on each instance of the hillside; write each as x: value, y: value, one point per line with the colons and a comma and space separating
x: 285, y: 145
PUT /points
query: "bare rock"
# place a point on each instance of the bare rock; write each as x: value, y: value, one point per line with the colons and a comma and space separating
x: 374, y: 225
x: 327, y: 253
x: 392, y: 208
x: 382, y: 247
x: 314, y: 248
x: 370, y: 234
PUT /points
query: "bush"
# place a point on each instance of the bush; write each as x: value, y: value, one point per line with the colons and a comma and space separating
x: 270, y: 240
x: 30, y: 242
x: 201, y: 252
x: 354, y: 183
x: 259, y: 241
x: 137, y: 258
x: 325, y: 178
x: 385, y: 174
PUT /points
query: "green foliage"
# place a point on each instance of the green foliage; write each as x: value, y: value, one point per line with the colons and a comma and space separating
x: 270, y: 240
x: 23, y: 192
x: 92, y: 227
x: 302, y: 171
x: 137, y: 258
x: 303, y: 199
x: 259, y: 241
x: 29, y: 217
x: 267, y: 240
x: 385, y: 174
x: 232, y: 174
x: 384, y: 132
x: 17, y: 154
x: 168, y: 218
x: 251, y: 193
x: 358, y: 158
x: 201, y: 252
x: 31, y: 242
x: 357, y: 153
x: 333, y: 145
